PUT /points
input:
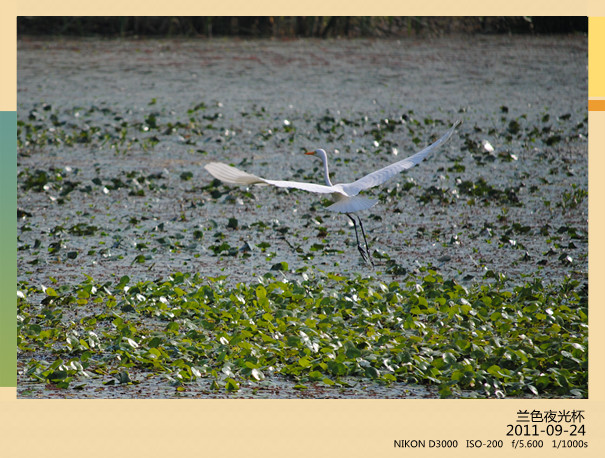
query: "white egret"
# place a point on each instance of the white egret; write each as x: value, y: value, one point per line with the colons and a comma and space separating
x: 345, y: 195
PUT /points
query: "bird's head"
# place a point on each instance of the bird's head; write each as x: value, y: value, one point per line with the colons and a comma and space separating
x: 321, y: 154
x: 318, y: 153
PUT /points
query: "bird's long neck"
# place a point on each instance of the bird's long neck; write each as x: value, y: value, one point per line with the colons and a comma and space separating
x: 324, y: 159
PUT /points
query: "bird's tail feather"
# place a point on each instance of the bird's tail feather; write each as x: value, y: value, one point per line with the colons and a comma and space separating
x: 353, y: 204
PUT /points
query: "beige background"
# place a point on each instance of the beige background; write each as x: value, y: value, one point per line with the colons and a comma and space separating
x: 293, y: 428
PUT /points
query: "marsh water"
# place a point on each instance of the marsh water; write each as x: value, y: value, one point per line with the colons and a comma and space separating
x: 129, y: 125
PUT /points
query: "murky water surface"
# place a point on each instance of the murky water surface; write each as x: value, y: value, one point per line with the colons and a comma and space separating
x: 139, y: 119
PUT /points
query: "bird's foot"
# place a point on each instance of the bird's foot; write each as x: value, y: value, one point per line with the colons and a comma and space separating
x: 365, y: 255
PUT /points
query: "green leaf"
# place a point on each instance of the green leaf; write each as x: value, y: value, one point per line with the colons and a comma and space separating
x: 495, y: 371
x: 231, y: 385
x: 449, y: 357
x: 280, y: 266
x: 304, y: 362
x: 337, y: 368
x: 371, y: 372
x: 57, y: 376
x: 315, y: 375
x: 261, y: 292
x: 123, y: 377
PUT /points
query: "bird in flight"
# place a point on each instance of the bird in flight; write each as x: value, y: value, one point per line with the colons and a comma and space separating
x: 345, y: 195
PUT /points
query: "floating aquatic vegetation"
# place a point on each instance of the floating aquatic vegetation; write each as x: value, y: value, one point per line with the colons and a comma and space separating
x: 492, y: 340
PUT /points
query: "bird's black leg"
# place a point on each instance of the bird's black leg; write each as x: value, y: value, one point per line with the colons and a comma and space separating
x: 365, y: 241
x: 365, y: 254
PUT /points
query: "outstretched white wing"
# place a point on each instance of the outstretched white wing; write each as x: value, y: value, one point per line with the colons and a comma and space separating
x: 388, y: 172
x: 232, y: 175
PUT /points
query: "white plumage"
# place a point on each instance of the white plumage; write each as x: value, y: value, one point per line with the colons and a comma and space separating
x: 345, y: 195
